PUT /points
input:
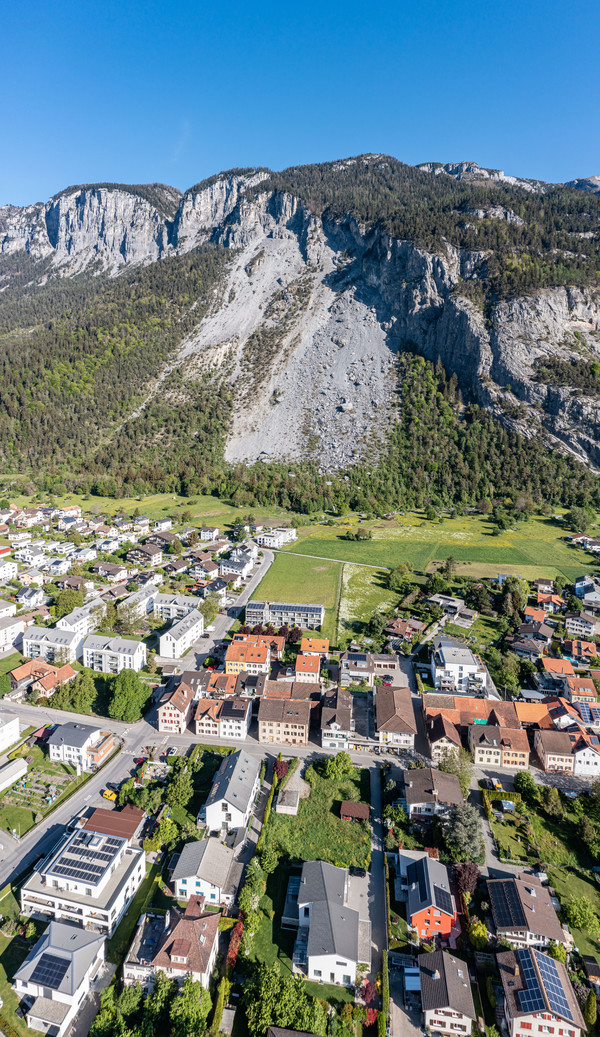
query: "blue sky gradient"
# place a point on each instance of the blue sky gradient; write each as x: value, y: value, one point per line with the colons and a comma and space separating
x: 139, y: 92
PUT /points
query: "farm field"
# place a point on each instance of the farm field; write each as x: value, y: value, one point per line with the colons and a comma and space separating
x: 299, y: 579
x: 536, y: 548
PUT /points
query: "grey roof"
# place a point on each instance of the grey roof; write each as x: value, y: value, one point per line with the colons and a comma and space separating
x: 235, y: 780
x: 179, y: 600
x: 51, y: 635
x: 72, y: 734
x: 101, y: 643
x: 183, y: 626
x: 208, y: 859
x: 445, y: 983
x: 428, y: 886
x: 333, y: 926
x: 65, y: 941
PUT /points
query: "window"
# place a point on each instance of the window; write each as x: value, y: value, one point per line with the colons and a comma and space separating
x: 346, y: 980
x: 317, y: 973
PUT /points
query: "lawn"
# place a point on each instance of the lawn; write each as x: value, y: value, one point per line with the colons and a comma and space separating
x: 511, y: 837
x: 567, y: 883
x: 10, y: 661
x: 118, y: 945
x: 302, y: 580
x: 535, y: 548
x: 29, y: 797
x: 484, y: 633
x: 364, y: 592
x: 202, y: 781
x: 318, y: 832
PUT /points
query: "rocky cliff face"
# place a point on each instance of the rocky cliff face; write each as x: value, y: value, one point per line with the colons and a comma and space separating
x: 315, y: 310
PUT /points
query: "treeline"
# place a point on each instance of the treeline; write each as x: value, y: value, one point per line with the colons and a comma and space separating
x: 546, y: 250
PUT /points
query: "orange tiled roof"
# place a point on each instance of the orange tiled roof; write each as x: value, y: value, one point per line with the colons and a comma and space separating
x: 558, y: 666
x: 314, y: 644
x: 240, y: 652
x: 208, y: 709
x: 307, y: 664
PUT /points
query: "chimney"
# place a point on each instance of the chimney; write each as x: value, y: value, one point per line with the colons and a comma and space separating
x: 435, y: 794
x: 514, y: 968
x: 436, y: 974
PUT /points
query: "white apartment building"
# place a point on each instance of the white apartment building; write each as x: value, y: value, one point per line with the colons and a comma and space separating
x: 79, y: 745
x: 206, y: 868
x: 209, y: 533
x: 234, y: 718
x: 276, y: 538
x: 140, y: 603
x: 173, y: 606
x: 231, y: 799
x: 8, y: 570
x: 178, y: 640
x: 11, y: 631
x: 113, y: 654
x: 455, y: 668
x: 84, y: 619
x: 9, y: 732
x: 54, y: 645
x: 91, y: 875
x: 7, y: 609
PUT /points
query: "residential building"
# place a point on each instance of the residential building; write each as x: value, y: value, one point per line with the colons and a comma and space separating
x: 580, y: 689
x: 161, y: 525
x: 274, y: 642
x: 140, y: 603
x: 173, y: 606
x: 145, y: 554
x: 582, y: 652
x: 240, y: 566
x: 404, y: 629
x: 85, y: 619
x: 315, y: 646
x: 113, y: 654
x: 455, y: 668
x: 175, y: 709
x: 538, y: 996
x: 57, y: 975
x: 179, y: 638
x: 26, y: 676
x: 550, y: 602
x: 526, y: 648
x: 235, y: 786
x: 12, y: 771
x: 337, y: 723
x: 53, y: 645
x: 395, y: 718
x: 276, y: 538
x: 446, y: 995
x: 235, y: 717
x: 428, y: 792
x: 7, y: 609
x: 430, y: 905
x: 8, y: 570
x: 9, y: 732
x: 112, y: 572
x: 586, y: 754
x: 207, y: 717
x: 31, y: 597
x: 332, y: 937
x: 12, y: 629
x: 443, y: 736
x: 357, y: 668
x: 91, y: 875
x: 163, y: 540
x: 282, y: 722
x: 209, y: 533
x: 80, y: 745
x: 307, y: 668
x: 243, y: 657
x: 554, y: 750
x: 207, y: 868
x: 177, y: 943
x: 581, y: 624
x: 523, y: 913
x: 279, y: 613
x: 75, y: 583
x: 494, y: 746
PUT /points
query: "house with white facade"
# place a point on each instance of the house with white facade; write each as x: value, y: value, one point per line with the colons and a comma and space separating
x: 454, y: 667
x: 179, y: 638
x: 207, y: 868
x: 178, y: 943
x: 8, y: 570
x: 523, y: 913
x: 9, y: 732
x: 80, y: 745
x: 235, y: 717
x: 538, y: 996
x: 231, y: 799
x: 276, y: 538
x: 57, y: 976
x: 91, y: 875
x: 84, y: 619
x: 428, y: 793
x: 173, y: 606
x: 52, y: 644
x: 446, y: 995
x: 12, y: 629
x: 395, y: 718
x: 337, y: 720
x: 113, y: 654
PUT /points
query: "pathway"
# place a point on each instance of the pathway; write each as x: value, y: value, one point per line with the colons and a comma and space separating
x: 377, y: 897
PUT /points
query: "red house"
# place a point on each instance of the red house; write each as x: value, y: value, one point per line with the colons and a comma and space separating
x: 430, y: 907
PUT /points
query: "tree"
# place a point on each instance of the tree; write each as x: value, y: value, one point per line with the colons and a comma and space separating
x: 82, y: 692
x: 377, y: 624
x: 66, y: 601
x: 578, y: 519
x: 590, y: 1011
x: 180, y: 789
x: 557, y: 951
x: 399, y: 578
x: 281, y: 767
x: 478, y: 934
x: 209, y: 609
x: 271, y: 999
x: 295, y: 635
x: 525, y: 784
x: 467, y: 877
x: 189, y: 1010
x: 338, y: 766
x: 129, y: 696
x: 175, y: 547
x: 458, y: 761
x: 551, y: 801
x: 269, y: 859
x: 463, y: 834
x: 580, y: 913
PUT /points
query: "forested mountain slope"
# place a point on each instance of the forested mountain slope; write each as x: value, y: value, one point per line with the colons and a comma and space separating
x: 151, y: 337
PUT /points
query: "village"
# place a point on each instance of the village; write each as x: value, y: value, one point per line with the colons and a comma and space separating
x: 201, y: 786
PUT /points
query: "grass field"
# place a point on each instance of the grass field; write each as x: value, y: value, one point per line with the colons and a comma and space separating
x: 363, y: 593
x: 302, y: 580
x: 318, y: 832
x: 572, y: 883
x: 535, y: 548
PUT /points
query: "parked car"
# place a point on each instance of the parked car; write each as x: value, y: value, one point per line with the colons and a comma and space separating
x: 387, y: 681
x: 172, y: 751
x: 358, y: 872
x: 139, y: 760
x: 110, y: 794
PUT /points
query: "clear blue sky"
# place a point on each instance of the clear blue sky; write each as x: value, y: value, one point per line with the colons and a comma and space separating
x: 174, y: 91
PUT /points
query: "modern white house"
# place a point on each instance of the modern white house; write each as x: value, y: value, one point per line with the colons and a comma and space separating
x: 178, y: 943
x: 91, y: 875
x: 7, y: 608
x: 332, y: 937
x: 446, y: 995
x: 276, y: 538
x: 113, y: 654
x: 9, y: 732
x: 231, y: 799
x: 235, y: 717
x: 455, y: 668
x: 12, y: 629
x: 8, y: 570
x: 179, y: 638
x: 80, y: 745
x: 84, y: 619
x: 207, y: 868
x: 52, y: 644
x: 173, y: 606
x: 57, y: 976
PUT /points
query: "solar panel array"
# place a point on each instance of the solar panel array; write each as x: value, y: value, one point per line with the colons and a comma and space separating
x: 552, y: 983
x: 590, y: 714
x: 531, y: 999
x: 506, y: 905
x: 87, y: 857
x: 443, y: 900
x: 50, y: 971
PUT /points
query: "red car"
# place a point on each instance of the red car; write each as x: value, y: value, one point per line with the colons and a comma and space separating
x: 140, y: 760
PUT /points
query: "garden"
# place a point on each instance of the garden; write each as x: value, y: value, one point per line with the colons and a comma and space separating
x: 37, y: 792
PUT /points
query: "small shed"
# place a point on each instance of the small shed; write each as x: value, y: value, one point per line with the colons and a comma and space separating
x: 350, y: 811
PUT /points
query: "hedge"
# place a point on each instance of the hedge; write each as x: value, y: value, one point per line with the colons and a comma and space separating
x: 388, y: 910
x: 385, y: 987
x: 267, y: 813
x: 219, y: 1006
x: 292, y: 767
x: 380, y: 1025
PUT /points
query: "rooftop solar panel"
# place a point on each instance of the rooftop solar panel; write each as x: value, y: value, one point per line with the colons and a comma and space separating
x: 443, y: 900
x: 555, y: 992
x: 50, y: 971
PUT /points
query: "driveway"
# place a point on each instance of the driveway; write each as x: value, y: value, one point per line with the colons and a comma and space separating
x: 403, y: 1022
x: 377, y: 900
